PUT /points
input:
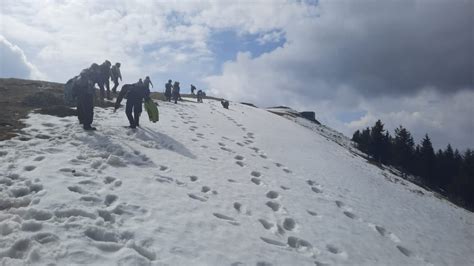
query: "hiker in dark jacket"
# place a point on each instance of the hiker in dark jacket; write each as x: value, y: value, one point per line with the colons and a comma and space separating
x: 225, y: 104
x: 135, y: 94
x: 104, y: 80
x: 193, y: 88
x: 168, y: 89
x: 199, y: 96
x: 115, y: 75
x: 147, y: 82
x: 83, y: 90
x: 176, y: 94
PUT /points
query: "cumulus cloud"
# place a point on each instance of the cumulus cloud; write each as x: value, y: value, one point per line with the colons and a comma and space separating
x: 14, y: 64
x: 447, y: 118
x: 337, y: 57
x: 370, y: 57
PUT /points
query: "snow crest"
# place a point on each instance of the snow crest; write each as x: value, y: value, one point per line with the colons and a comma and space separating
x: 210, y: 186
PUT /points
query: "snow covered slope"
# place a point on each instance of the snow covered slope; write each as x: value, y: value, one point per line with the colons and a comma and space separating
x: 209, y: 186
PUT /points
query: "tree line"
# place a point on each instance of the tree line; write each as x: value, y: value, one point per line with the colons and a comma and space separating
x: 448, y: 171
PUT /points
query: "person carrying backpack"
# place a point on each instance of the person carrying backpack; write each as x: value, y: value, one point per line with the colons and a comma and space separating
x: 135, y: 94
x: 115, y: 75
x: 168, y: 88
x: 104, y: 77
x: 147, y: 82
x: 176, y: 94
x: 225, y: 104
x: 83, y: 91
x: 199, y: 96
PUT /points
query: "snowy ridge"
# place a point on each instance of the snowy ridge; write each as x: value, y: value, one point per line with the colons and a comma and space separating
x: 209, y: 186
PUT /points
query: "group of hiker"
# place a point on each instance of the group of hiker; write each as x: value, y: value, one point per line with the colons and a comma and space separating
x: 80, y: 91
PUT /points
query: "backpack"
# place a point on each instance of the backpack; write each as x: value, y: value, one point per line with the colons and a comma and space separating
x: 69, y: 94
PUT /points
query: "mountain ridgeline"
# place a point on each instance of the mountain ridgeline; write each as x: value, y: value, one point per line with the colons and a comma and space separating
x: 448, y: 172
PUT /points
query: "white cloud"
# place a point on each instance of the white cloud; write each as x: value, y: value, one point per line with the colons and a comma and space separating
x: 14, y: 64
x: 447, y: 118
x: 338, y: 56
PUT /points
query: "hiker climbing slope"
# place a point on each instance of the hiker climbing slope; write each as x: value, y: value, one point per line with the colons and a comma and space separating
x: 134, y: 93
x: 83, y: 89
x: 115, y: 75
x: 104, y: 77
x: 168, y: 89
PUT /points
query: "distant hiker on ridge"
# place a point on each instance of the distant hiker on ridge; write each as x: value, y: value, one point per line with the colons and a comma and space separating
x: 176, y: 94
x: 104, y: 80
x: 115, y: 75
x: 168, y: 88
x: 199, y: 96
x: 135, y: 93
x: 193, y: 89
x: 225, y: 104
x: 147, y: 83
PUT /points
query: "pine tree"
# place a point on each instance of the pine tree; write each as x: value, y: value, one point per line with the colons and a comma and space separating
x: 426, y: 161
x: 356, y: 136
x: 364, y: 140
x: 376, y: 144
x: 403, y: 149
x: 468, y: 169
x: 448, y: 167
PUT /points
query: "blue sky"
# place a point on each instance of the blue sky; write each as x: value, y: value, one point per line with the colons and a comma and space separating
x: 226, y: 44
x: 351, y: 62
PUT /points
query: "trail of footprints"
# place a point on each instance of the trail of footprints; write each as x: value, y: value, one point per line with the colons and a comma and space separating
x: 24, y: 193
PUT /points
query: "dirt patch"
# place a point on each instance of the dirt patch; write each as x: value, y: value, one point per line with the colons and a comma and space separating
x: 57, y: 110
x: 19, y: 97
x: 43, y: 98
x: 12, y: 106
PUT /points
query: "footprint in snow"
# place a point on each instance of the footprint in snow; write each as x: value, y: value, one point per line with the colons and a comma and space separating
x: 196, y: 197
x: 227, y: 149
x: 286, y: 170
x: 289, y: 224
x: 273, y: 242
x: 272, y: 194
x: 339, y: 203
x: 256, y: 181
x: 349, y: 214
x: 39, y: 158
x: 76, y: 189
x: 110, y: 198
x: 240, y: 163
x: 382, y: 231
x: 333, y: 249
x: 193, y: 178
x: 29, y: 168
x: 224, y: 217
x: 404, y: 251
x: 163, y: 168
x: 275, y: 206
x: 255, y: 174
x: 239, y: 157
x: 266, y: 224
x: 297, y: 243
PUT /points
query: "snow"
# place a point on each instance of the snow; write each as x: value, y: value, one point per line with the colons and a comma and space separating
x: 210, y: 186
